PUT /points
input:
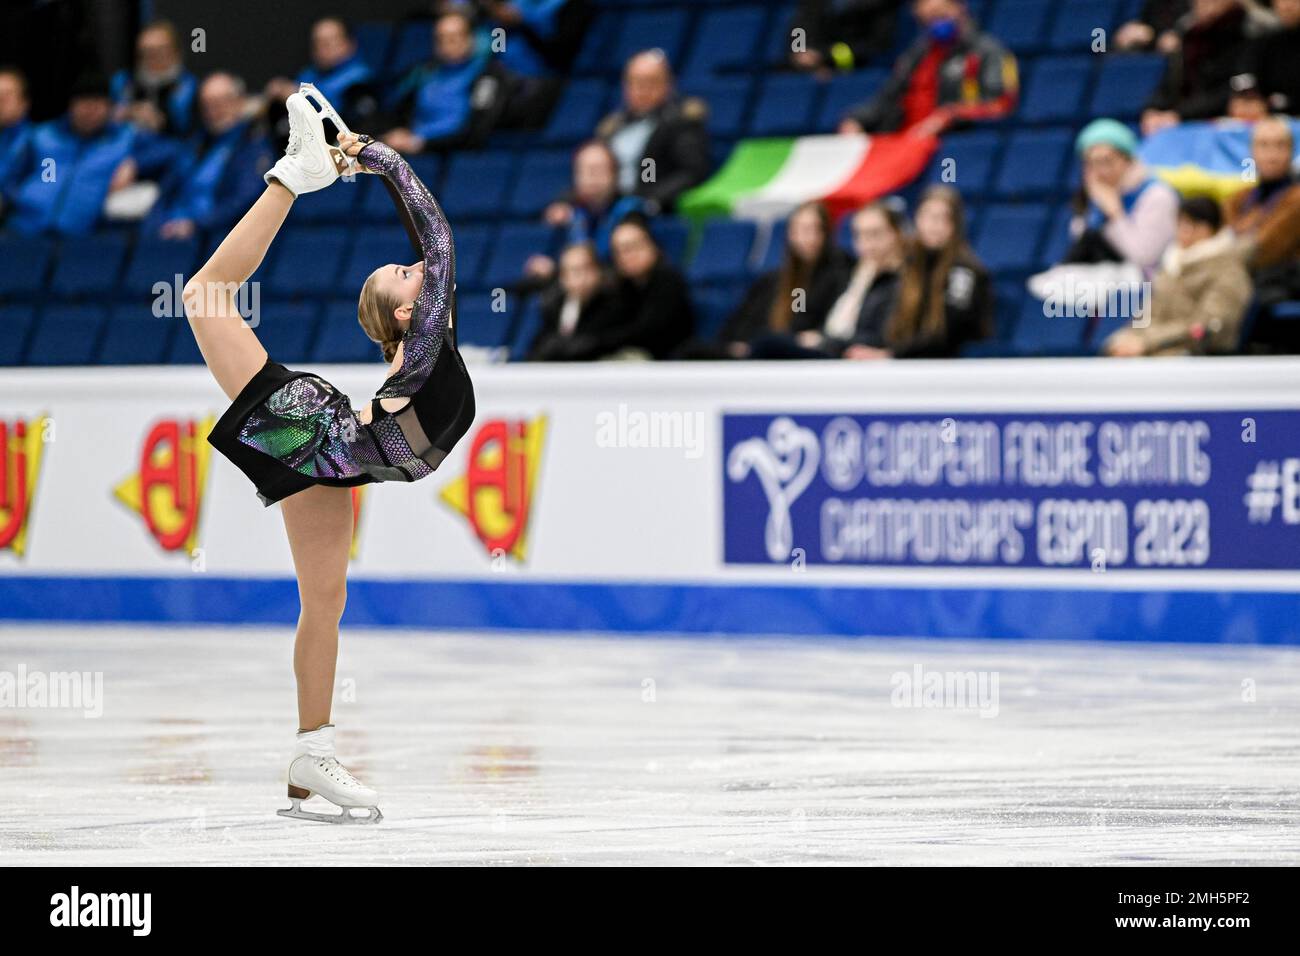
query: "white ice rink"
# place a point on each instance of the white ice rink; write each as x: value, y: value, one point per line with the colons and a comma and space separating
x: 560, y: 750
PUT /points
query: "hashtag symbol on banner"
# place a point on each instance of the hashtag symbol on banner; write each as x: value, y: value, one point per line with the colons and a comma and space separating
x: 1263, y: 497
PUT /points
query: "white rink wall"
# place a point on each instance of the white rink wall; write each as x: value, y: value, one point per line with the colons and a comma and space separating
x: 1089, y: 499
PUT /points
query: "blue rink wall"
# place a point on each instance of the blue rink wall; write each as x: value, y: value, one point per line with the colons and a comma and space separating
x: 1147, y: 500
x: 1023, y: 614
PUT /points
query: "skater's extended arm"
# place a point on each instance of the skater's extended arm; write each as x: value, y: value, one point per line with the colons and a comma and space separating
x: 431, y: 314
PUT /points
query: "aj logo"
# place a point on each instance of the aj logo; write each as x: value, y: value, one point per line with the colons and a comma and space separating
x: 496, y: 492
x: 20, y: 464
x: 167, y: 489
x: 785, y: 464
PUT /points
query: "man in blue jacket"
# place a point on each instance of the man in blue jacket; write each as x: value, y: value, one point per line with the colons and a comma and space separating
x: 159, y: 95
x: 70, y: 166
x: 221, y: 173
x: 15, y: 127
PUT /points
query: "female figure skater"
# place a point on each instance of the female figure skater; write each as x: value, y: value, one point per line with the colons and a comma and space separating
x: 298, y: 438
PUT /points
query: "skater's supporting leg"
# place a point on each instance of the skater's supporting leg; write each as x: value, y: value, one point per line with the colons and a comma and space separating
x: 319, y: 523
x: 229, y: 346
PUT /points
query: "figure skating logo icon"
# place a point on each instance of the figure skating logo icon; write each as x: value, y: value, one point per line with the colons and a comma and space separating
x: 785, y: 463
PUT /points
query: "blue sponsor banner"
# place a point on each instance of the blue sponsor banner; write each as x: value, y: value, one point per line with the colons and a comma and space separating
x: 1180, y: 490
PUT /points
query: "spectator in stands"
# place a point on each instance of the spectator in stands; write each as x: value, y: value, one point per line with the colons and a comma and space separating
x: 541, y: 36
x: 1274, y: 60
x: 841, y: 34
x: 458, y: 100
x: 1199, y: 295
x: 1214, y: 47
x: 655, y: 314
x: 1266, y: 221
x: 952, y: 74
x: 1123, y: 213
x: 338, y: 71
x: 1155, y: 27
x: 945, y: 297
x: 158, y: 95
x: 15, y: 127
x: 71, y: 166
x: 594, y: 207
x: 856, y: 321
x: 578, y: 311
x: 796, y: 295
x: 221, y: 174
x: 659, y: 137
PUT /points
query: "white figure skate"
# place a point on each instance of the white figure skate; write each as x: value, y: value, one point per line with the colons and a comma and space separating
x: 309, y: 162
x: 327, y: 111
x: 315, y: 771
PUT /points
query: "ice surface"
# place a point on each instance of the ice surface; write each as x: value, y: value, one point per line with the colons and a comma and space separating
x: 494, y: 749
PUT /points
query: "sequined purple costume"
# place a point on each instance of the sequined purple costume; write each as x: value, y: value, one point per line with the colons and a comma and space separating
x: 289, y: 430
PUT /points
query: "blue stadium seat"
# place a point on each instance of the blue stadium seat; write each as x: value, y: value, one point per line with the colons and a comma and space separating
x: 1057, y: 91
x: 16, y: 323
x: 544, y: 176
x: 158, y: 260
x: 481, y: 325
x: 373, y: 40
x: 775, y: 250
x: 1125, y: 83
x: 723, y: 253
x: 1021, y: 25
x: 1039, y: 334
x: 472, y: 243
x: 1008, y: 237
x: 135, y: 336
x: 91, y: 265
x: 374, y: 248
x: 412, y: 46
x: 66, y: 335
x: 725, y: 39
x: 594, y: 56
x: 526, y: 329
x: 1034, y: 164
x: 287, y: 329
x: 307, y: 261
x: 1057, y: 242
x: 26, y: 264
x: 477, y: 184
x: 340, y: 338
x: 513, y: 245
x: 973, y: 156
x: 660, y: 27
x: 335, y: 204
x: 845, y: 91
x: 712, y: 307
x: 579, y: 109
x: 184, y: 351
x: 672, y: 234
x: 785, y: 101
x: 1073, y: 24
x: 728, y: 98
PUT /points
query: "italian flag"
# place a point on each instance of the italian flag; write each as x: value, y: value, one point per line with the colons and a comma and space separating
x: 767, y: 179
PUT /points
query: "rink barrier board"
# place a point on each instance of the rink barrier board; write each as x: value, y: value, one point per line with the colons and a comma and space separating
x: 622, y: 538
x: 735, y: 610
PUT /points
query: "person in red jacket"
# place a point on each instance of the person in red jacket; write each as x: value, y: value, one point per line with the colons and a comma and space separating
x: 952, y: 74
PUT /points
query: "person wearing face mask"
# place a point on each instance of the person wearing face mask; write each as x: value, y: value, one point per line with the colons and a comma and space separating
x: 159, y: 95
x: 953, y: 74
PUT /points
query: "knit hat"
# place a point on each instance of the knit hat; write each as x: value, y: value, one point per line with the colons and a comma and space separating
x: 1107, y: 132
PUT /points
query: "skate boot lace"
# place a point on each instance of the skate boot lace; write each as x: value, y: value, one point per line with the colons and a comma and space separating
x: 337, y: 772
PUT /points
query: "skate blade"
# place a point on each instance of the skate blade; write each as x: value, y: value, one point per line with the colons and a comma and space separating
x: 327, y: 110
x: 345, y: 816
